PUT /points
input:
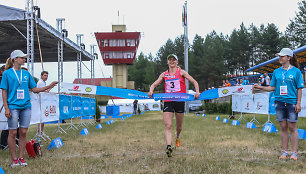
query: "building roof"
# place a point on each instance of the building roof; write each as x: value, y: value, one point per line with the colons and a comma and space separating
x: 117, y: 35
x: 270, y: 65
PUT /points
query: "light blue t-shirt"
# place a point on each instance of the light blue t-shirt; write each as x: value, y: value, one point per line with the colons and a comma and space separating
x: 10, y: 83
x: 245, y: 82
x: 293, y: 81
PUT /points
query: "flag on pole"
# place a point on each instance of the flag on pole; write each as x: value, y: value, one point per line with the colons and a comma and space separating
x: 184, y: 16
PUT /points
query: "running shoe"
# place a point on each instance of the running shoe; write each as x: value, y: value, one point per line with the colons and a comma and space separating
x: 294, y: 156
x: 284, y: 155
x: 22, y: 162
x: 15, y: 163
x: 178, y: 141
x: 169, y: 151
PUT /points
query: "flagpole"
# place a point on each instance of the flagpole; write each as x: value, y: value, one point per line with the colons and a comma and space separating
x: 186, y: 45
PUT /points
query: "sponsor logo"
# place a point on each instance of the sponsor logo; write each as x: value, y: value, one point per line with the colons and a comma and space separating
x: 65, y: 109
x: 88, y: 89
x: 224, y: 91
x: 167, y: 75
x: 291, y: 76
x: 259, y: 106
x: 239, y: 90
x: 75, y: 88
x: 25, y: 77
x: 50, y: 111
x: 247, y: 106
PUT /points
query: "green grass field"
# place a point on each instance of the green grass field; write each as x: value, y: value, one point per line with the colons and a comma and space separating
x: 136, y: 145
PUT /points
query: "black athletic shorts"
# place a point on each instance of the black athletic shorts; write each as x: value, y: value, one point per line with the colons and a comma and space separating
x: 174, y: 106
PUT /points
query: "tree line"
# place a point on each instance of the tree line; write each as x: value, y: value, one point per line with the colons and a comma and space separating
x: 214, y: 56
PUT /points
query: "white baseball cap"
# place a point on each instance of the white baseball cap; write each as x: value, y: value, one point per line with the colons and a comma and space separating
x: 18, y: 53
x: 285, y: 52
x: 172, y: 55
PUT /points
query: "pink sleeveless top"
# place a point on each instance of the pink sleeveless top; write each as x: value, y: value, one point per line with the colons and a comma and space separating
x: 174, y: 83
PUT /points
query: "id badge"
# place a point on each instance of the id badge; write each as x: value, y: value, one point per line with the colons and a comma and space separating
x: 283, y: 90
x: 20, y: 94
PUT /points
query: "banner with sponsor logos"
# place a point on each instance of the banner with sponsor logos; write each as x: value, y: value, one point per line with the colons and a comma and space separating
x: 49, y: 107
x: 52, y: 107
x: 261, y: 102
x: 2, y: 110
x: 86, y: 106
x: 272, y: 104
x: 93, y: 106
x: 76, y: 106
x: 35, y: 109
x: 303, y: 104
x: 78, y: 88
x: 247, y: 104
x: 65, y: 106
x: 236, y: 103
x: 134, y: 94
x: 244, y: 89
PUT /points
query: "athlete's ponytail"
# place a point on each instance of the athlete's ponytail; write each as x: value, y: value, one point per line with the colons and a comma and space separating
x: 8, y: 64
x: 294, y: 61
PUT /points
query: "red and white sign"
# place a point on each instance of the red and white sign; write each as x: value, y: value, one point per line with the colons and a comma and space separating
x: 78, y: 88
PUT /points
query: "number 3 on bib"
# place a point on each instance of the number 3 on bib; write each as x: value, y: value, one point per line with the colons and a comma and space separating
x: 173, y: 85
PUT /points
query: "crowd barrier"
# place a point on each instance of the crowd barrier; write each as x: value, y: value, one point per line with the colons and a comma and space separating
x: 48, y: 107
x: 261, y: 103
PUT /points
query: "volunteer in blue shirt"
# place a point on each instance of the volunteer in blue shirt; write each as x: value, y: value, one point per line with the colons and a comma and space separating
x: 287, y: 82
x: 15, y: 86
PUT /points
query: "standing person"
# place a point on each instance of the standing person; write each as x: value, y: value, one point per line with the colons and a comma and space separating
x: 40, y: 84
x: 287, y: 82
x: 267, y: 80
x: 245, y: 81
x: 135, y: 106
x: 174, y: 83
x: 237, y: 82
x: 262, y: 81
x: 15, y: 87
x: 228, y: 84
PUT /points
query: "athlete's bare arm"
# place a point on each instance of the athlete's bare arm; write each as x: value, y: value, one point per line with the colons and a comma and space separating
x: 156, y: 83
x: 193, y: 81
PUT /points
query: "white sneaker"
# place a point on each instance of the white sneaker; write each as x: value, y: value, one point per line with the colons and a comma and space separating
x: 22, y: 162
x: 15, y: 163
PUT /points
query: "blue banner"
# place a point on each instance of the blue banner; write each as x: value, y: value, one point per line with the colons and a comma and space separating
x: 86, y: 106
x: 92, y: 106
x: 65, y: 107
x: 209, y: 94
x: 272, y: 104
x: 76, y: 106
x: 173, y: 96
x: 123, y: 93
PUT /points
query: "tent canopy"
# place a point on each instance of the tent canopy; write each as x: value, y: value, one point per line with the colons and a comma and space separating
x: 13, y: 33
x: 270, y: 65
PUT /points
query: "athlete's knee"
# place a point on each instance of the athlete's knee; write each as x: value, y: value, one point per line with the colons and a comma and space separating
x: 168, y: 126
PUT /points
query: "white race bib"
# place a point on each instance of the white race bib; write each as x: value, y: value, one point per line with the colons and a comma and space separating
x: 283, y: 90
x: 20, y: 94
x: 173, y: 85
